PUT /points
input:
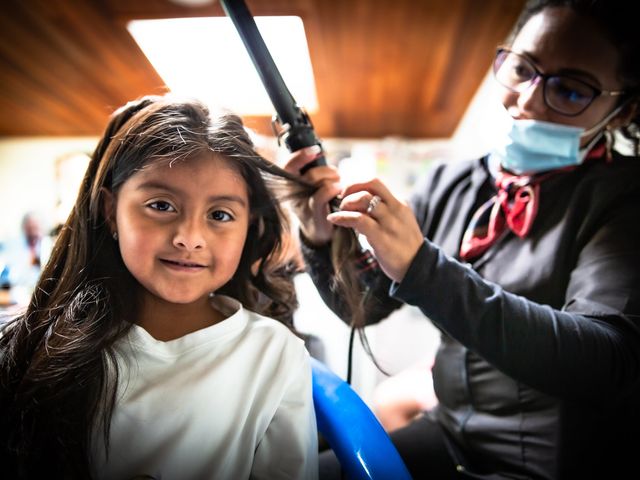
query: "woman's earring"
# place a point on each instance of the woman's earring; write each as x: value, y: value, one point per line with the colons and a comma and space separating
x: 609, y: 142
x: 115, y: 236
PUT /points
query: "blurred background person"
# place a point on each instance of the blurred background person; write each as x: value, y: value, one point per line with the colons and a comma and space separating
x: 22, y: 257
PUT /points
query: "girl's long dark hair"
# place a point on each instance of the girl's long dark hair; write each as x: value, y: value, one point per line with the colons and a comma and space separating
x: 57, y: 362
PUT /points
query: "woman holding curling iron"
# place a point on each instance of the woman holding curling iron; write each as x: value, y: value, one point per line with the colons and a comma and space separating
x: 527, y: 260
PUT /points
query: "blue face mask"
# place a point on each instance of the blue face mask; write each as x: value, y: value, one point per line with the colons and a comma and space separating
x: 533, y: 146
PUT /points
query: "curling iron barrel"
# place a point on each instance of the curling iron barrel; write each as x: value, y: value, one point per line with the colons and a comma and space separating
x: 297, y: 130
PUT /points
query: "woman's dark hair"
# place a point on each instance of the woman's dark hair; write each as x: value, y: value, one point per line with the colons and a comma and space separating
x: 618, y: 21
x: 57, y: 363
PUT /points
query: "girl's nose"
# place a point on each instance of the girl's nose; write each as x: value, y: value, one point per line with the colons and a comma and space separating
x: 189, y: 235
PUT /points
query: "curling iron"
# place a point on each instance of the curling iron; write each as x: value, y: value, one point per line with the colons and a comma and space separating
x: 291, y: 123
x: 295, y: 125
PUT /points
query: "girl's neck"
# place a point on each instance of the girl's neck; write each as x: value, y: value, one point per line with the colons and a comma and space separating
x: 166, y: 321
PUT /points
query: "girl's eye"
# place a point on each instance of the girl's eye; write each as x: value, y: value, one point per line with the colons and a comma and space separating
x: 161, y: 206
x: 221, y: 216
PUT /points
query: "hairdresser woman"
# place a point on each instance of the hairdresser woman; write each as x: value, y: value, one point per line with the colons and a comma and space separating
x: 527, y: 260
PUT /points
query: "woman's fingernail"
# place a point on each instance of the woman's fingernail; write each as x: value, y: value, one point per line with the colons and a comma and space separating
x: 313, y: 150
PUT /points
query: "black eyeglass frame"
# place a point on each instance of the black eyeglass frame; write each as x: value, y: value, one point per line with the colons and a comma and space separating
x: 597, y: 92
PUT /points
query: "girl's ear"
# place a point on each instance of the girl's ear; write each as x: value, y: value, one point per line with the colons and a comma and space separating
x: 258, y: 222
x: 109, y: 208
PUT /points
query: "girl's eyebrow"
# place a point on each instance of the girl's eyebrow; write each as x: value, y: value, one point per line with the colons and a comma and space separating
x: 156, y: 185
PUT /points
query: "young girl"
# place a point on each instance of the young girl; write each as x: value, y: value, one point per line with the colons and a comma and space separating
x: 146, y: 350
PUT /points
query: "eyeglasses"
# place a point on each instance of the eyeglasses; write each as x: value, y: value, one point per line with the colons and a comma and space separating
x: 566, y: 95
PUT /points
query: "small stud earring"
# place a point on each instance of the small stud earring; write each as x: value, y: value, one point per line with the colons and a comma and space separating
x: 610, y: 141
x: 115, y: 236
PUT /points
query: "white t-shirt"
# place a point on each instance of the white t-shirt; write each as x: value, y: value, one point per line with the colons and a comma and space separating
x: 231, y: 401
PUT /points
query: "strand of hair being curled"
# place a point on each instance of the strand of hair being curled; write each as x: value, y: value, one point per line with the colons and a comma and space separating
x: 346, y: 252
x: 346, y: 260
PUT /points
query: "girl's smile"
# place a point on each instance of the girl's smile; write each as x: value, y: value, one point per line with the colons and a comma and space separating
x: 183, y: 265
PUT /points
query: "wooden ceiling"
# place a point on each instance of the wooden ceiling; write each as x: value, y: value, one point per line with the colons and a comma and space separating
x: 394, y: 67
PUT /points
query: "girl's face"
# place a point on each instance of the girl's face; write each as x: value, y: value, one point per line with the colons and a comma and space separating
x: 181, y: 228
x: 560, y: 42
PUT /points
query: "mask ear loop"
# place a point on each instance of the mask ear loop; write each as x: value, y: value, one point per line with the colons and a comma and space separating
x: 585, y: 151
x: 605, y: 130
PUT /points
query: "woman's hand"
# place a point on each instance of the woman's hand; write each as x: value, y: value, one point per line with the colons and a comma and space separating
x: 313, y: 212
x: 388, y: 224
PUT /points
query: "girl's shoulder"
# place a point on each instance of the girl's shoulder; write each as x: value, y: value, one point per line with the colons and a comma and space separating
x: 275, y: 333
x: 276, y: 343
x: 271, y: 327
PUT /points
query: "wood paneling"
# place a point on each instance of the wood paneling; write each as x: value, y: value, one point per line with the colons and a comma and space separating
x: 402, y: 67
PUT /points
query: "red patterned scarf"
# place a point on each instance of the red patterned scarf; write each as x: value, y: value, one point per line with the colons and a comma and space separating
x: 513, y: 207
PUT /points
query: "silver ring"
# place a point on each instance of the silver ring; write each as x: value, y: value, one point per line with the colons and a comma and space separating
x: 373, y: 203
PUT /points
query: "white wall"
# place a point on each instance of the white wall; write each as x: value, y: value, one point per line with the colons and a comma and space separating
x: 484, y: 119
x: 39, y: 174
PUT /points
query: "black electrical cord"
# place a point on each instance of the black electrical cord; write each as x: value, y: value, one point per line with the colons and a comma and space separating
x: 349, y: 372
x: 350, y: 354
